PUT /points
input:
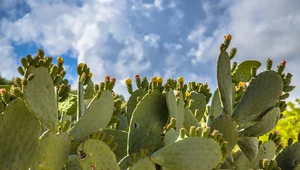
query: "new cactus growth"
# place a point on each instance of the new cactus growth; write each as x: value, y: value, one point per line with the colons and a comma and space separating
x: 162, y: 125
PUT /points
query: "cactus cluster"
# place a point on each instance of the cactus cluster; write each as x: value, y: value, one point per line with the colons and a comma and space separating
x: 163, y: 125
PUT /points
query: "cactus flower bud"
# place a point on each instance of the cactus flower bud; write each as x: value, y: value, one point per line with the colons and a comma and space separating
x: 233, y: 67
x: 40, y: 53
x: 114, y: 147
x: 16, y: 91
x: 180, y: 79
x: 133, y: 157
x: 48, y: 61
x: 199, y: 131
x: 269, y: 64
x: 206, y: 132
x: 102, y: 136
x: 63, y: 73
x: 112, y: 84
x: 98, y: 94
x: 272, y: 164
x: 82, y: 77
x: 138, y: 81
x: 60, y: 61
x: 191, y: 104
x: 253, y: 71
x: 232, y: 53
x: 18, y: 82
x: 21, y: 70
x: 53, y: 71
x: 183, y: 132
x: 288, y: 88
x: 79, y: 68
x: 109, y: 140
x: 281, y: 67
x: 227, y: 40
x: 29, y: 58
x: 96, y: 87
x: 193, y: 131
x: 145, y: 83
x: 57, y: 80
x: 61, y: 89
x: 24, y: 62
x: 290, y: 141
x: 129, y: 85
x: 24, y: 81
x: 284, y: 96
x: 5, y: 96
x: 63, y: 98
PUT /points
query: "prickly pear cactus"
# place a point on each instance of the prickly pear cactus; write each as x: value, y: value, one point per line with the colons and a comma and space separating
x: 171, y: 125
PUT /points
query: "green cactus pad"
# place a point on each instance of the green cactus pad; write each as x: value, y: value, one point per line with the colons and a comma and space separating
x: 288, y: 157
x: 69, y: 106
x: 120, y: 137
x: 269, y: 148
x: 95, y: 154
x: 175, y: 110
x: 53, y: 151
x: 243, y: 71
x: 72, y: 163
x: 96, y: 116
x: 19, y: 136
x: 123, y: 122
x: 266, y: 124
x: 132, y: 101
x: 199, y: 103
x: 125, y: 162
x: 228, y: 127
x: 225, y: 81
x: 215, y: 109
x: 189, y: 153
x: 189, y: 119
x: 261, y: 94
x: 265, y: 151
x: 147, y: 122
x: 143, y: 164
x: 89, y: 90
x: 171, y: 136
x: 39, y: 95
x: 249, y: 146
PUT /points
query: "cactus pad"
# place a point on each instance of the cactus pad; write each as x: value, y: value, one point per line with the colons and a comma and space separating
x: 53, y: 151
x: 189, y: 153
x: 147, y: 122
x: 19, y: 136
x: 266, y: 124
x: 132, y: 101
x: 289, y: 156
x: 215, y: 109
x: 175, y: 110
x: 243, y: 71
x: 144, y: 164
x: 261, y: 94
x: 189, y: 119
x: 249, y: 146
x: 225, y: 81
x: 96, y: 116
x: 228, y: 127
x: 120, y: 137
x: 95, y: 154
x: 40, y: 96
x: 199, y: 103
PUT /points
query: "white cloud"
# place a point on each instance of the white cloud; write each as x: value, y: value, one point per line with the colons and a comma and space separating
x: 152, y: 39
x: 172, y: 46
x: 8, y: 66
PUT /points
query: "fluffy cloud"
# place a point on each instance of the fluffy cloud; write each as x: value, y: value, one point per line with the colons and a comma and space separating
x: 8, y: 66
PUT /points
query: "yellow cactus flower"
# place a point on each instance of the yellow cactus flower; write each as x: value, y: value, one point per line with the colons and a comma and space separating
x: 154, y: 79
x: 128, y: 81
x: 180, y: 79
x: 242, y: 84
x: 187, y: 94
x: 159, y: 80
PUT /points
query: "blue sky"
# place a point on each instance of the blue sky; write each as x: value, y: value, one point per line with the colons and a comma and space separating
x: 167, y: 38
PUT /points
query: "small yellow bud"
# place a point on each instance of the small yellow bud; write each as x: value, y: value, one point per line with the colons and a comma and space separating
x: 180, y: 79
x: 90, y: 75
x: 128, y: 81
x: 159, y: 80
x: 154, y: 79
x: 187, y: 94
x: 60, y: 60
x: 242, y: 84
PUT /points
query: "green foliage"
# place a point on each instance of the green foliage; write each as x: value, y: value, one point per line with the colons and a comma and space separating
x: 46, y: 125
